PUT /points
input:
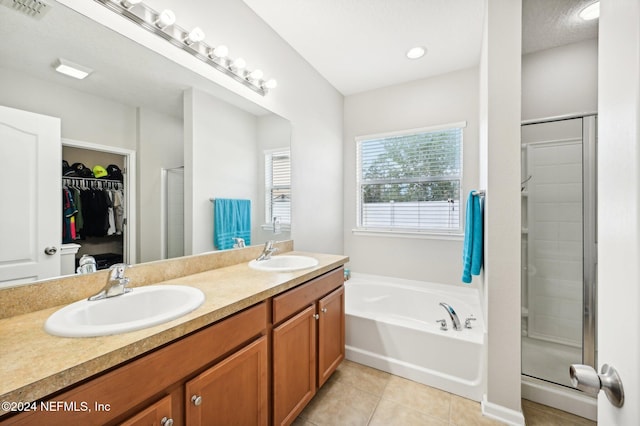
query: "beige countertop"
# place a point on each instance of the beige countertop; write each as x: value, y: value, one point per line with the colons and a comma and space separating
x: 35, y: 364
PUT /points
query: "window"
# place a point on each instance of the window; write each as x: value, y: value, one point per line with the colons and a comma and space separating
x: 278, y: 186
x: 410, y: 181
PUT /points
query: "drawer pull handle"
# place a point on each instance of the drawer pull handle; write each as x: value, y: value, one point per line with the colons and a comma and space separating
x: 324, y: 310
x: 166, y: 421
x: 316, y: 316
x: 196, y: 399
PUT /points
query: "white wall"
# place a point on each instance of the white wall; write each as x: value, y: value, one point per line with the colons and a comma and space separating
x: 304, y: 97
x: 84, y: 117
x: 221, y: 161
x: 438, y: 100
x: 160, y: 145
x: 500, y: 105
x: 560, y: 81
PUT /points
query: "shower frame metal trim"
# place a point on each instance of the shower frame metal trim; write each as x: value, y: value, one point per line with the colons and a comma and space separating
x: 589, y: 228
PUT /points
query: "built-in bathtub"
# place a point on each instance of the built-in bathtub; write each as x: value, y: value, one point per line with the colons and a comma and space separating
x: 391, y: 325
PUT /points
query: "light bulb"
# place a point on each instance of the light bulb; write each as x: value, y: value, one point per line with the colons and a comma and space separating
x: 196, y: 35
x: 416, y: 52
x: 239, y: 64
x: 219, y: 52
x: 256, y: 74
x: 165, y: 19
x: 270, y: 84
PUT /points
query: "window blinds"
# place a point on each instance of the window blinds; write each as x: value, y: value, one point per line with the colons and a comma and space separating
x: 278, y: 186
x: 411, y: 182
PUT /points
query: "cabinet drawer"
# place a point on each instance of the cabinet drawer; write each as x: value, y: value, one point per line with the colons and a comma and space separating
x: 304, y: 295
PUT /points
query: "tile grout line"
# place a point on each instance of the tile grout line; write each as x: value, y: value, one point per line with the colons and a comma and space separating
x: 377, y: 404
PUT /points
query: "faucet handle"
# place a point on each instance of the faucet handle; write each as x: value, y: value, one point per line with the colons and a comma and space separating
x: 443, y: 324
x: 117, y: 271
x: 467, y: 322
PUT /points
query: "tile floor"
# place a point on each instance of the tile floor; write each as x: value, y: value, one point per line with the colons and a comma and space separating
x: 358, y: 395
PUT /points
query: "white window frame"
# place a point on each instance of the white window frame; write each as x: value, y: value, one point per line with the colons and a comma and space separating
x: 435, y: 233
x: 268, y: 155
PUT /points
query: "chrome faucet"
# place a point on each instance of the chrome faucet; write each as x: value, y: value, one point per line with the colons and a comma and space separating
x: 116, y: 284
x: 268, y: 250
x: 238, y: 242
x: 452, y: 314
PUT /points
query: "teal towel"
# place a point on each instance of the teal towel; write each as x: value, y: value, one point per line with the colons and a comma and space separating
x: 231, y: 219
x: 473, y: 244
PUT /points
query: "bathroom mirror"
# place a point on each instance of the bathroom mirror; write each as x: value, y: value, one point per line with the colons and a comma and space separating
x: 134, y: 99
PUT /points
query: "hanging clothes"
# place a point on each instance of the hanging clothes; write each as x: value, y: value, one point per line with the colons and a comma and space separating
x: 69, y: 211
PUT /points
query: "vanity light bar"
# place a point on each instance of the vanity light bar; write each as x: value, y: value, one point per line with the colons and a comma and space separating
x: 163, y: 25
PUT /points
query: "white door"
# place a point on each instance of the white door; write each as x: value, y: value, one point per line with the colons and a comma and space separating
x: 619, y: 205
x: 31, y: 213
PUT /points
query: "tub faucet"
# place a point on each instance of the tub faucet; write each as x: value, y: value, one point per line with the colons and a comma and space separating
x: 116, y: 283
x: 452, y: 314
x: 268, y: 250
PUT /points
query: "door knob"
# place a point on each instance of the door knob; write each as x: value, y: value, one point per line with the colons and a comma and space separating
x: 50, y: 251
x: 585, y: 378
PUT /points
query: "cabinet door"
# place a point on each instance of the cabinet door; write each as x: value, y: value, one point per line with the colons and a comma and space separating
x: 330, y: 334
x: 156, y: 414
x: 294, y: 365
x: 232, y: 392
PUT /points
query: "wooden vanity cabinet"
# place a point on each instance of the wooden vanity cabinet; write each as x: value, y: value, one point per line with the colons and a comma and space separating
x: 133, y: 392
x: 233, y: 392
x: 260, y: 366
x: 159, y: 413
x: 308, y: 342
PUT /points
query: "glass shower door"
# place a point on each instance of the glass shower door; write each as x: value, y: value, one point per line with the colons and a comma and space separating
x: 553, y: 279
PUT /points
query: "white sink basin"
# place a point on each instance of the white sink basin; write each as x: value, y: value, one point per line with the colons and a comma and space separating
x: 141, y: 308
x: 284, y: 263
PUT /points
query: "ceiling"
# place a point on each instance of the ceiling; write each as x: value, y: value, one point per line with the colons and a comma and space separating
x: 360, y: 45
x: 357, y: 45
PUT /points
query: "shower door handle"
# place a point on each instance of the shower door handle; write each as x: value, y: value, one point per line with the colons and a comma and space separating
x: 587, y: 379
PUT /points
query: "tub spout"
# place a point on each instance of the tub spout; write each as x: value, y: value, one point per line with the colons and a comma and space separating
x: 452, y: 314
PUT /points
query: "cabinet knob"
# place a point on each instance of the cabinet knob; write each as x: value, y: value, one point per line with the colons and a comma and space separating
x: 316, y: 316
x: 196, y: 399
x: 324, y: 310
x: 166, y: 421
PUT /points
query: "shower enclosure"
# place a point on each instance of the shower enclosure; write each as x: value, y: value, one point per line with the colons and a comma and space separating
x: 558, y: 250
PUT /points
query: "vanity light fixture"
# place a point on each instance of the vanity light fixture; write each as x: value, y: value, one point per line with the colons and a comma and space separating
x: 71, y: 69
x: 590, y: 12
x: 165, y: 19
x: 219, y: 52
x: 270, y: 84
x: 196, y: 35
x: 238, y: 65
x: 163, y: 24
x: 416, y: 52
x: 256, y: 75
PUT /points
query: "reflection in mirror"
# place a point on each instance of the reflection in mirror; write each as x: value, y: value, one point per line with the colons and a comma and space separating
x: 137, y: 100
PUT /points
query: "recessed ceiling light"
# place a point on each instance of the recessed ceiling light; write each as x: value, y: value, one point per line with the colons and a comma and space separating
x: 590, y: 12
x: 416, y: 52
x: 71, y: 69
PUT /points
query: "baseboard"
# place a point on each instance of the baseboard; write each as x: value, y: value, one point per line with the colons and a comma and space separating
x: 560, y: 397
x: 500, y: 413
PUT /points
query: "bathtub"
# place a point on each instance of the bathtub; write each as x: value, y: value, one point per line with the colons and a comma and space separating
x: 391, y: 325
